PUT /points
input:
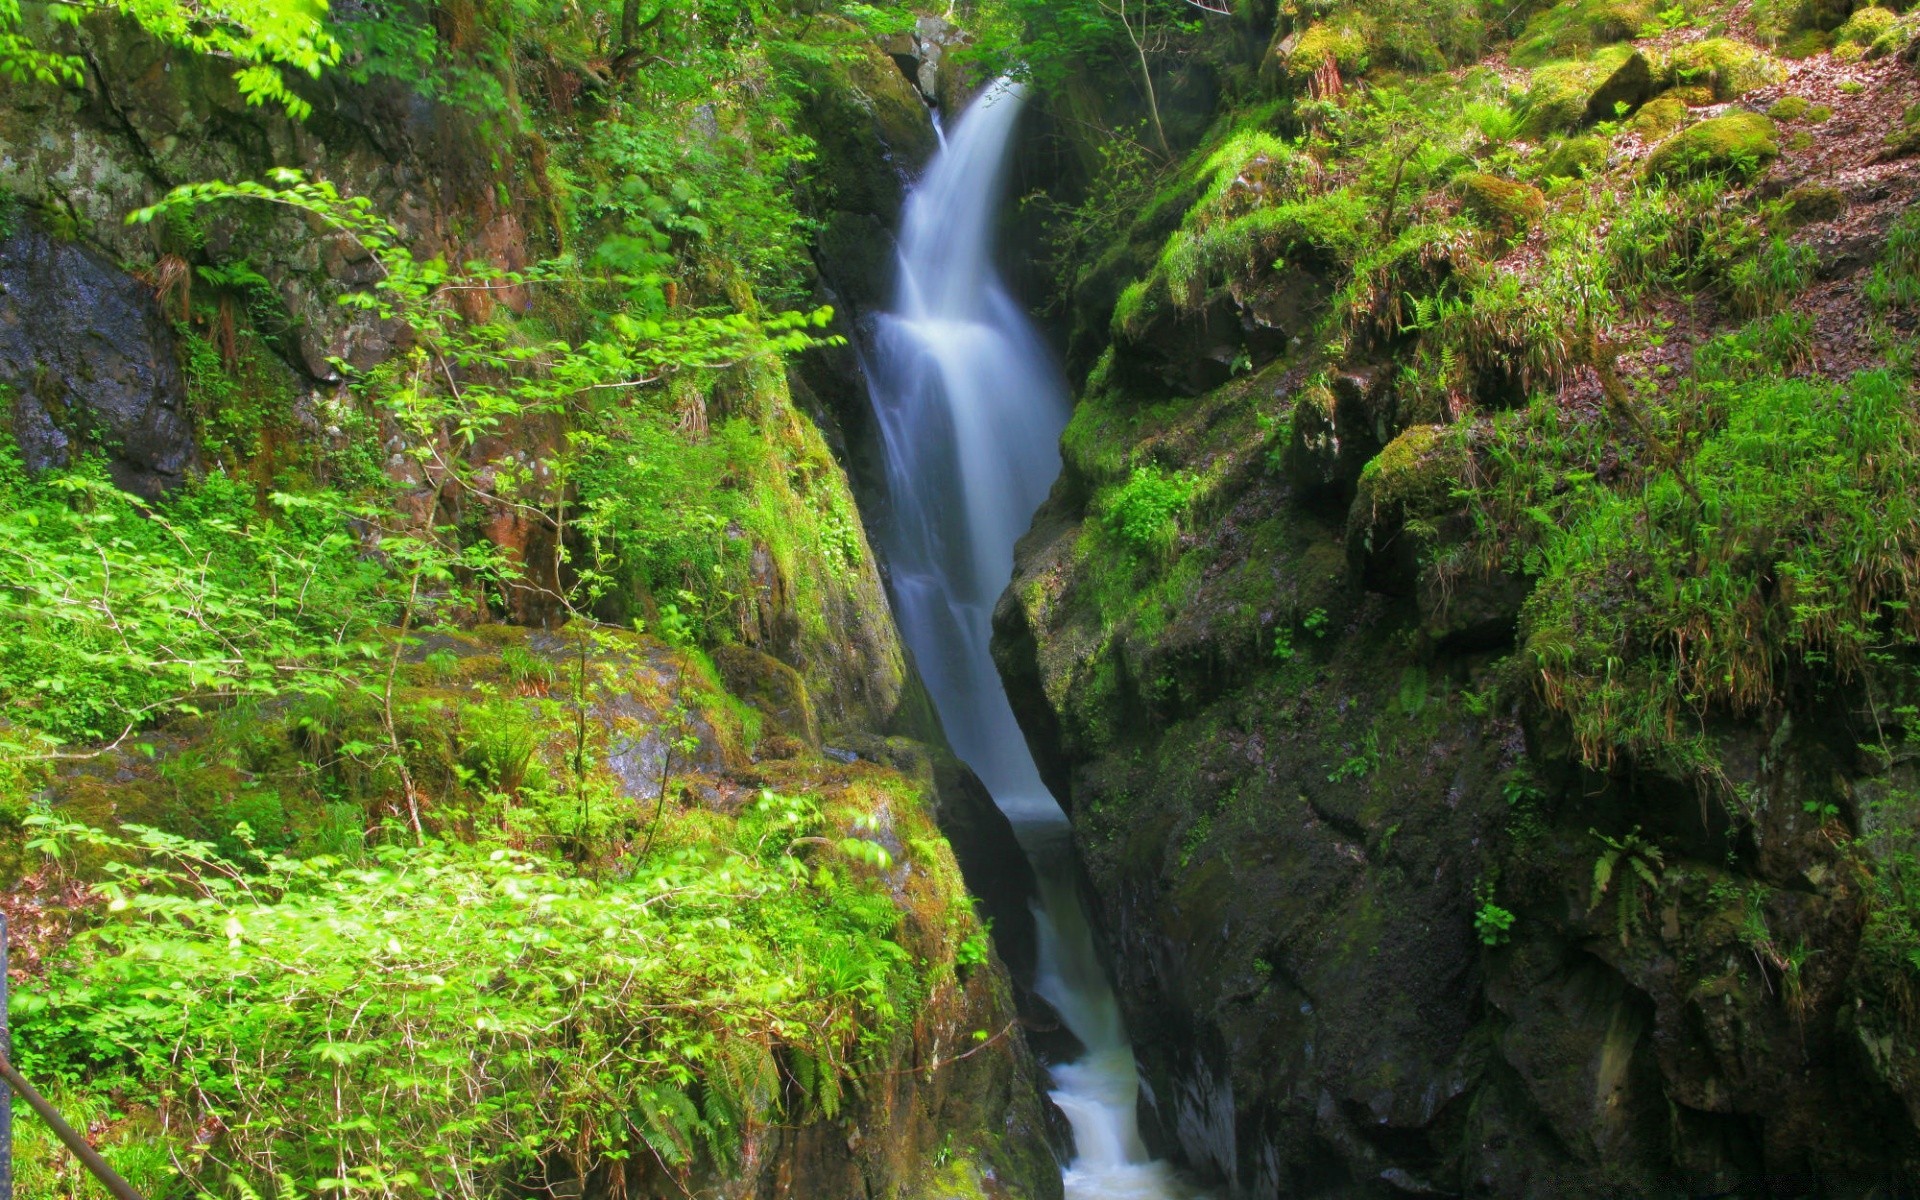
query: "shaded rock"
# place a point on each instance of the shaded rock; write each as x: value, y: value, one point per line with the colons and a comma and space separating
x: 1576, y: 158
x: 1411, y: 480
x: 1659, y: 117
x: 1504, y: 208
x: 90, y: 361
x: 772, y: 687
x: 1623, y: 91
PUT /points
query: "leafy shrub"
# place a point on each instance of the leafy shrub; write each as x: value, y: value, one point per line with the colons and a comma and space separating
x: 119, y: 613
x: 442, y: 1020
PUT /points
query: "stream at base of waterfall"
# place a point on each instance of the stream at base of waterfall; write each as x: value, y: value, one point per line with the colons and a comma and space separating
x: 970, y: 407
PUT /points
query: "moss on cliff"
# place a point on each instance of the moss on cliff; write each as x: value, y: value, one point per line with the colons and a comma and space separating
x: 1494, y: 729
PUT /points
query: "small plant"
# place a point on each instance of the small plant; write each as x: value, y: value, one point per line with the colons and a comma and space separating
x: 1633, y: 856
x: 1493, y: 923
x: 1146, y: 510
x: 1360, y: 765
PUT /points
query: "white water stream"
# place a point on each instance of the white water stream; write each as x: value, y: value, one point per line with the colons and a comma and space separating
x: 971, y: 408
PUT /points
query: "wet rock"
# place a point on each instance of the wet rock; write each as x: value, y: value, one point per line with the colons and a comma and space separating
x: 89, y: 359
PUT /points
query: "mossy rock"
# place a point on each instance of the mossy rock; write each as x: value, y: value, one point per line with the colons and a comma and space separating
x: 1659, y: 117
x: 1812, y: 203
x: 1728, y: 69
x: 1507, y: 209
x: 1564, y: 96
x: 1789, y: 108
x: 1738, y: 144
x: 1412, y: 480
x: 1866, y: 26
x: 1565, y: 29
x: 1346, y: 40
x: 1576, y: 158
x: 1805, y: 44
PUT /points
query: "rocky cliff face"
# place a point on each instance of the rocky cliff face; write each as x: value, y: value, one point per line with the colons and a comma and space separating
x: 1381, y: 926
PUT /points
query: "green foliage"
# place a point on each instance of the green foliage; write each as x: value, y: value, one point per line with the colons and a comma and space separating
x: 1655, y: 607
x: 1631, y: 856
x: 1564, y: 30
x: 120, y: 613
x: 262, y: 38
x: 1777, y: 273
x: 1895, y: 281
x: 442, y: 1019
x: 1493, y: 924
x: 1145, y: 511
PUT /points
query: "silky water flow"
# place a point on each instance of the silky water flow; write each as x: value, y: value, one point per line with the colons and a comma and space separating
x: 971, y: 407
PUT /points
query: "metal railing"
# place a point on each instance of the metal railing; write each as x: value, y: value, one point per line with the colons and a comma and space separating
x: 70, y: 1137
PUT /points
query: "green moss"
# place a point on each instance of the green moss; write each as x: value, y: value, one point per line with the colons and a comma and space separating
x: 1576, y: 158
x: 1819, y: 114
x: 1662, y: 603
x: 1564, y: 95
x: 1659, y: 117
x: 1738, y: 144
x: 1344, y: 39
x: 1561, y: 30
x: 1811, y: 203
x: 1507, y: 209
x: 1729, y: 69
x: 1789, y: 108
x: 1865, y: 26
x: 1805, y: 44
x: 1414, y: 476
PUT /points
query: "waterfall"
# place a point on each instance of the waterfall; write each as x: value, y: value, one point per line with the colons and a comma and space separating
x: 970, y: 408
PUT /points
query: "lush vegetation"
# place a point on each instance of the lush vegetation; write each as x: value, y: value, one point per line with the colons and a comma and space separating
x: 369, y: 892
x: 1538, y: 353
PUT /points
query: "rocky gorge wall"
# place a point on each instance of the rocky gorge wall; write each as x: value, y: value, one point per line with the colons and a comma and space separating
x: 1381, y: 925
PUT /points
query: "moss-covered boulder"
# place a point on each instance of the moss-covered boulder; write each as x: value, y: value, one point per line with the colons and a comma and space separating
x: 1788, y: 108
x: 1659, y: 117
x: 1566, y: 95
x: 1406, y: 484
x: 1906, y: 139
x: 1812, y: 203
x: 1575, y: 158
x: 1728, y: 69
x: 1738, y: 144
x: 1504, y: 208
x: 1561, y: 30
x: 1865, y: 26
x: 1343, y: 41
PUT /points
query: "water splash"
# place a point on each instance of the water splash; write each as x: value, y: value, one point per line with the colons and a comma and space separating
x: 971, y: 408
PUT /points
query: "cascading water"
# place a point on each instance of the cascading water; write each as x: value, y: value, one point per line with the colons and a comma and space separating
x: 970, y: 410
